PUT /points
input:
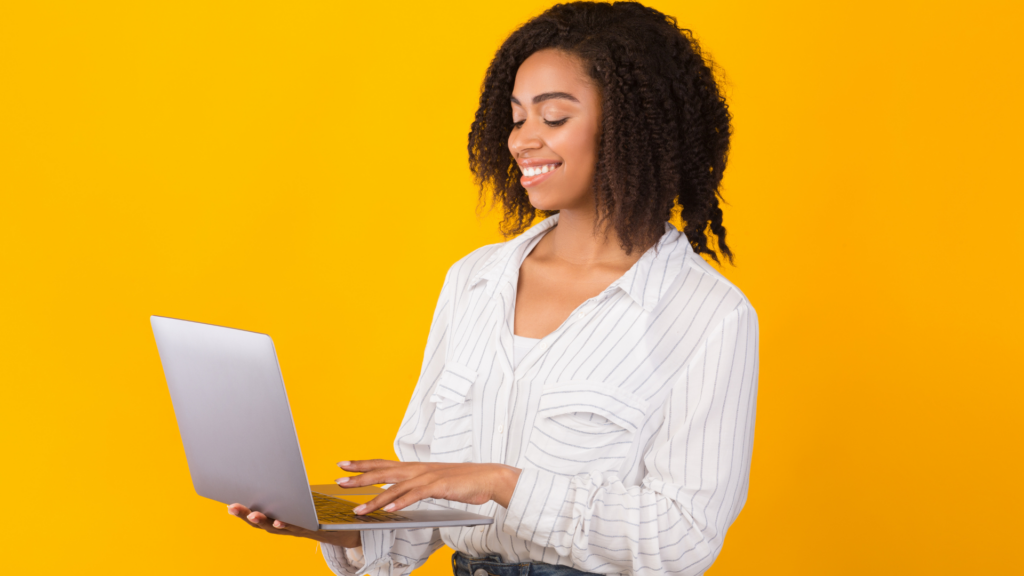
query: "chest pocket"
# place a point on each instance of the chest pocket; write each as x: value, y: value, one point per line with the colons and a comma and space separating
x: 584, y: 427
x: 453, y: 415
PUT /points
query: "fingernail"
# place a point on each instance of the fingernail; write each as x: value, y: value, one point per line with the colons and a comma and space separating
x: 344, y: 463
x: 251, y: 517
x: 360, y: 509
x: 342, y: 480
x: 390, y: 507
x: 278, y: 524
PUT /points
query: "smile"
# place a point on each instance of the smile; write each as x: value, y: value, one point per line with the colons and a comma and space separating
x: 536, y: 170
x: 534, y: 175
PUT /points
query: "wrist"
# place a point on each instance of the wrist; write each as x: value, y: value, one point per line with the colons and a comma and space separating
x: 508, y: 477
x: 347, y: 539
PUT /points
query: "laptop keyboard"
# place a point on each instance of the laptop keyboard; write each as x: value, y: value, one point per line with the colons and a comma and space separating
x: 331, y: 510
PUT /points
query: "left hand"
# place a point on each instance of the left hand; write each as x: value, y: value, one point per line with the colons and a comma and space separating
x: 469, y: 483
x: 343, y: 538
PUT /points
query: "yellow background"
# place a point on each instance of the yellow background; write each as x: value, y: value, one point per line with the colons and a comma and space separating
x: 300, y: 169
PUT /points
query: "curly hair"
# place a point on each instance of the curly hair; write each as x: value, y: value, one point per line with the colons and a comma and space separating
x: 665, y: 124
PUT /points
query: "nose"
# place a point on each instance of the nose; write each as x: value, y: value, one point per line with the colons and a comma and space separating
x: 525, y: 138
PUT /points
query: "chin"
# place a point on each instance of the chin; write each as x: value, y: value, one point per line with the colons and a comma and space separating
x: 542, y: 201
x: 543, y: 206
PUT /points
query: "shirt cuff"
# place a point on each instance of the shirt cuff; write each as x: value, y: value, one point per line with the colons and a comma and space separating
x: 340, y: 561
x: 536, y: 506
x: 355, y: 557
x: 373, y: 554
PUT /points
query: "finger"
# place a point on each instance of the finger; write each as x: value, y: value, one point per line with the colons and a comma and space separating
x: 291, y: 529
x: 237, y: 509
x: 357, y: 481
x: 366, y: 465
x: 255, y: 518
x: 383, y: 499
x: 260, y: 519
x: 390, y: 475
x: 415, y: 495
x: 379, y: 500
x: 242, y: 512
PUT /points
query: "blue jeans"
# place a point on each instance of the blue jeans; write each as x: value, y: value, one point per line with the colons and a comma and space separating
x: 464, y: 565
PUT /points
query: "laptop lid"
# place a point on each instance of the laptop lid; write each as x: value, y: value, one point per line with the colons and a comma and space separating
x: 234, y: 418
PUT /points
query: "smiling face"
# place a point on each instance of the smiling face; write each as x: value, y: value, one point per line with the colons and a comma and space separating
x: 557, y: 113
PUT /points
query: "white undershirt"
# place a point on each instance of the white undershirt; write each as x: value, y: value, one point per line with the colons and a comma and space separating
x: 521, y: 346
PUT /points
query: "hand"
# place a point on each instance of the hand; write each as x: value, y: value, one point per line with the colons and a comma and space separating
x: 469, y: 483
x: 346, y: 538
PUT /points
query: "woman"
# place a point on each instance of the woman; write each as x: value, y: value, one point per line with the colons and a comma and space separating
x: 590, y: 384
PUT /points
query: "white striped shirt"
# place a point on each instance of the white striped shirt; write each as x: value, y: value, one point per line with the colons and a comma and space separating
x: 632, y: 422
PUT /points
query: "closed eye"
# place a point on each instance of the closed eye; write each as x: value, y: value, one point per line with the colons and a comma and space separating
x: 552, y: 123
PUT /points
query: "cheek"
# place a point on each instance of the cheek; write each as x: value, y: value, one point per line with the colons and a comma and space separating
x: 579, y: 150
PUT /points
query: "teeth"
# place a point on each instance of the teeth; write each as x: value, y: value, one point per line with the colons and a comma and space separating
x: 534, y: 171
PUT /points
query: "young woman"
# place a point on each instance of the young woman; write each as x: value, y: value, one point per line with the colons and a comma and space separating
x: 590, y: 384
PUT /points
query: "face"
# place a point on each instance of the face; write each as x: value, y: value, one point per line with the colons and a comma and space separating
x: 557, y: 113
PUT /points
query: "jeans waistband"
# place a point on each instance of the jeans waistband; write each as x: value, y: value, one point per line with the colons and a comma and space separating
x: 463, y: 565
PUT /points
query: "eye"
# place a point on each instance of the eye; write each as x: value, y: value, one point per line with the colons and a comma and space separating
x: 552, y: 123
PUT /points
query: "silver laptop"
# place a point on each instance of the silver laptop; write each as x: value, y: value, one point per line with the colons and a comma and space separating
x: 240, y: 441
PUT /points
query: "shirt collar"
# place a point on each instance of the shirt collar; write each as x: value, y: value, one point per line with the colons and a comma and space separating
x: 500, y: 264
x: 645, y: 282
x: 652, y: 275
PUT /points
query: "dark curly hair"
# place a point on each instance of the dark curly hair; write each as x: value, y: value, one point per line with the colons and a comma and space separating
x: 665, y: 124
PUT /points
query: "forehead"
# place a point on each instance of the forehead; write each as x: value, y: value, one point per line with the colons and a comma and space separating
x: 551, y: 70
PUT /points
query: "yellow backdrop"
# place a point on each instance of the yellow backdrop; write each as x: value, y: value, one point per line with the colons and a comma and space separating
x: 300, y: 169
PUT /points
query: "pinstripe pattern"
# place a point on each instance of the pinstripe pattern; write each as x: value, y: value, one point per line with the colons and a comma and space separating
x: 632, y: 422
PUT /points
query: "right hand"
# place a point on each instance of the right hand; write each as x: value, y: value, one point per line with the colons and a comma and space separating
x: 344, y: 538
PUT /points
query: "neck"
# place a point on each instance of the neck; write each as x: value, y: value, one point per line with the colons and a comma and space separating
x: 577, y: 241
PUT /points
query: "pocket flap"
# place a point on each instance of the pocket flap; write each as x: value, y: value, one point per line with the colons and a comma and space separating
x: 617, y: 405
x: 454, y: 384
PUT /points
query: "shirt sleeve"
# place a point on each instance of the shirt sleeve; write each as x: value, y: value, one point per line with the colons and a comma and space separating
x: 398, y: 552
x: 697, y: 471
x: 384, y: 552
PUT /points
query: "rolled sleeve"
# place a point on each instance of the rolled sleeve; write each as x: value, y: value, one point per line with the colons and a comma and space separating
x: 537, y: 505
x: 383, y: 553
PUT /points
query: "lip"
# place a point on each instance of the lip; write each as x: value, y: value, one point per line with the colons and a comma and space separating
x: 528, y: 181
x: 527, y: 162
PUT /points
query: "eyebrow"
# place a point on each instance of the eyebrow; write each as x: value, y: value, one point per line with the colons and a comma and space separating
x: 549, y: 96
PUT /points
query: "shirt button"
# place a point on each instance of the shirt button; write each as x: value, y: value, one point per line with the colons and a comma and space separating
x: 501, y: 428
x: 480, y: 572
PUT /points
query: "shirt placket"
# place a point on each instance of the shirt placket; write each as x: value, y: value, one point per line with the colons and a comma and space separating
x: 499, y: 429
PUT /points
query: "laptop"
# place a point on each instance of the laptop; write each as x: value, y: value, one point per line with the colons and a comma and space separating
x: 240, y: 442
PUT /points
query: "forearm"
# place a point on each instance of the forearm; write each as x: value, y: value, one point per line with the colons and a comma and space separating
x: 347, y: 539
